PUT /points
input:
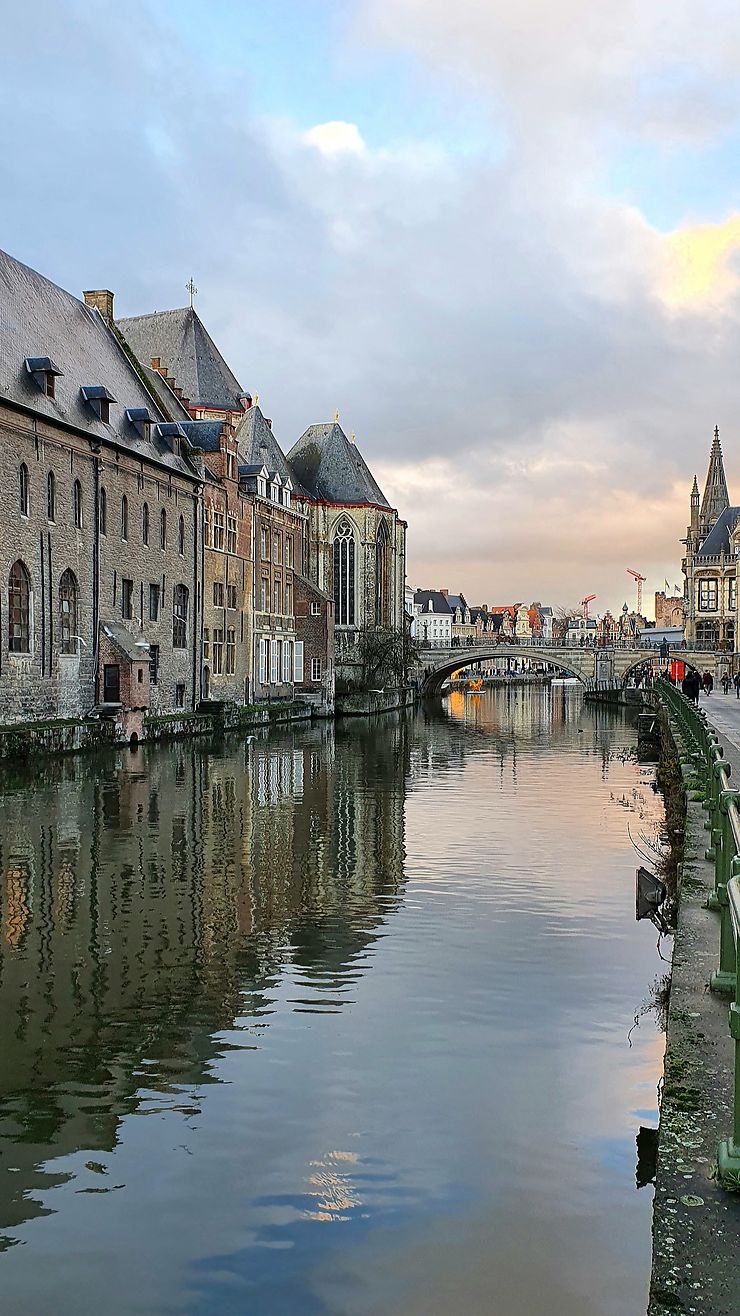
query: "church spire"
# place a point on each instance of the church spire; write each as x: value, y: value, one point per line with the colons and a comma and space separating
x: 716, y: 497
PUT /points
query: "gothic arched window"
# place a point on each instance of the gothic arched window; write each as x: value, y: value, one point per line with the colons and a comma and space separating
x: 77, y: 504
x: 23, y: 488
x: 124, y: 517
x: 103, y: 512
x: 344, y: 574
x: 180, y: 617
x: 163, y: 529
x: 382, y: 575
x: 19, y: 609
x: 69, y: 594
x: 181, y: 537
x: 145, y: 523
x: 51, y: 497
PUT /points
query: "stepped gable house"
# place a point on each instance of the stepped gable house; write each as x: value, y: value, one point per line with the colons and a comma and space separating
x: 711, y: 561
x: 356, y: 544
x: 100, y: 559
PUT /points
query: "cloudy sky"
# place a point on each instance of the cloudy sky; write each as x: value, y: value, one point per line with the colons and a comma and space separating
x: 503, y: 239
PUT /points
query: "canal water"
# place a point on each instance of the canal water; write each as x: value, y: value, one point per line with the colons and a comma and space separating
x: 334, y: 1023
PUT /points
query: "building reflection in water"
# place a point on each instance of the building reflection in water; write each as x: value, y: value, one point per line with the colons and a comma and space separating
x: 153, y: 900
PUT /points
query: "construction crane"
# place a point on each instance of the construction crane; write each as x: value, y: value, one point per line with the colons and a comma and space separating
x: 639, y: 580
x: 585, y: 602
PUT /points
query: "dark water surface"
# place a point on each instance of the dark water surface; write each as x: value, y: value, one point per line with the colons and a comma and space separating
x: 331, y: 1024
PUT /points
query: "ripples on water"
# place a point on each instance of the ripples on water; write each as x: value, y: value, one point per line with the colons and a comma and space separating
x: 331, y: 1023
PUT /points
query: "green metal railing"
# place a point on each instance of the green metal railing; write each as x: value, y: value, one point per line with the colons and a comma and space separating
x: 699, y: 749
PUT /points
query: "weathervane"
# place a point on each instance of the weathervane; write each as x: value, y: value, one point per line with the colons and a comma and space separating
x: 191, y: 288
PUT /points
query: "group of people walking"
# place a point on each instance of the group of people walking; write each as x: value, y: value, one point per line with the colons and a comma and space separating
x: 693, y: 684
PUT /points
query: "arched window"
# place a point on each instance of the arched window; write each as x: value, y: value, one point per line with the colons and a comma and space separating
x: 51, y: 496
x: 180, y: 617
x: 19, y: 609
x: 124, y: 517
x: 77, y: 504
x: 163, y: 529
x: 103, y: 512
x: 382, y: 575
x: 344, y: 575
x: 145, y: 523
x: 181, y: 537
x: 69, y: 594
x: 23, y: 488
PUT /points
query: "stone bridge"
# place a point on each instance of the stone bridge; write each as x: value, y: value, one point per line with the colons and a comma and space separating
x: 597, y: 668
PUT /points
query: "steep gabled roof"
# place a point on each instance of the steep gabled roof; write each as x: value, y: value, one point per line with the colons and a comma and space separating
x: 423, y: 597
x: 258, y: 446
x: 38, y: 318
x: 332, y: 469
x: 185, y: 348
x: 718, y: 539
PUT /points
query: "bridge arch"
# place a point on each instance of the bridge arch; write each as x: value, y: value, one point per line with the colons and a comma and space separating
x: 437, y: 669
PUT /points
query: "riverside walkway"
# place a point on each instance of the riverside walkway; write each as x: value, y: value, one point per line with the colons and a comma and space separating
x: 696, y: 1225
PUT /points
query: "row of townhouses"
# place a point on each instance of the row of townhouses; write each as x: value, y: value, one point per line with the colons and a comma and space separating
x: 158, y: 547
x: 441, y: 619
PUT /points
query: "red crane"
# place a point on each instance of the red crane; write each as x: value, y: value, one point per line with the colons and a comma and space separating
x: 639, y: 579
x: 585, y: 602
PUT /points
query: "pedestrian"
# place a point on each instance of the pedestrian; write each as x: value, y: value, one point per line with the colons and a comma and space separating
x: 737, y: 684
x: 726, y: 682
x: 694, y: 681
x: 707, y: 681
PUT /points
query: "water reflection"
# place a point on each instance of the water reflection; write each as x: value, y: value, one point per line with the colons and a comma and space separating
x: 331, y: 1023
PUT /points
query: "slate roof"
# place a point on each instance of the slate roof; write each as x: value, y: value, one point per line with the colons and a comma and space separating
x: 332, y: 469
x: 718, y: 539
x: 439, y: 603
x: 258, y: 446
x: 457, y: 601
x: 184, y: 346
x: 38, y: 318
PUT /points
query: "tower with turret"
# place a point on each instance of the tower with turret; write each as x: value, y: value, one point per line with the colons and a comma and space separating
x: 710, y: 564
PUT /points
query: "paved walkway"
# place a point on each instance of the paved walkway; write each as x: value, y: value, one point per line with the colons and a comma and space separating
x: 723, y: 711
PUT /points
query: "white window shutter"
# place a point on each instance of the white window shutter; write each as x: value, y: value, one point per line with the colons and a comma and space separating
x: 298, y: 662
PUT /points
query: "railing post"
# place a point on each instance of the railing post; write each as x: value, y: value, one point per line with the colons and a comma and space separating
x: 728, y: 1158
x: 727, y: 866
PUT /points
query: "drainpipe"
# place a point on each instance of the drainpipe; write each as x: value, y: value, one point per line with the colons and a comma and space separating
x: 96, y: 582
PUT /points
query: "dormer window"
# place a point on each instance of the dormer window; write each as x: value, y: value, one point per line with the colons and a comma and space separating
x: 287, y: 488
x: 261, y: 487
x: 173, y: 433
x: 43, y: 372
x: 140, y: 420
x: 98, y: 399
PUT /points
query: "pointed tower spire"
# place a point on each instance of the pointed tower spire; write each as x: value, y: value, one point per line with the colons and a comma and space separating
x: 694, y: 526
x: 716, y: 497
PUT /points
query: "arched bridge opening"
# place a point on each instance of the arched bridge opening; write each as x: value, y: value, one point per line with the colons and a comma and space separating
x: 435, y: 676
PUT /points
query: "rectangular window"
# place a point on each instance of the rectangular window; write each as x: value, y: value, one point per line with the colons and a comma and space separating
x: 230, y: 652
x: 315, y: 669
x: 288, y: 600
x: 127, y: 598
x: 264, y: 594
x: 231, y: 598
x: 206, y: 644
x: 287, y: 661
x: 230, y: 466
x: 298, y: 662
x: 264, y: 550
x: 153, y: 602
x: 276, y: 591
x: 275, y: 662
x: 218, y: 652
x: 264, y: 648
x: 732, y: 595
x: 707, y: 595
x: 179, y: 696
x: 218, y: 530
x: 231, y: 534
x: 276, y: 548
x: 208, y: 528
x: 218, y: 594
x: 288, y: 551
x: 315, y: 609
x: 153, y: 664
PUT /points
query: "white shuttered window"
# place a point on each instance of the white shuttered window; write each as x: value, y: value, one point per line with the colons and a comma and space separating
x: 298, y: 662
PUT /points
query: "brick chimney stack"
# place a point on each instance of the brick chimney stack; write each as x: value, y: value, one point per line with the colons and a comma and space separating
x: 444, y: 593
x: 101, y: 299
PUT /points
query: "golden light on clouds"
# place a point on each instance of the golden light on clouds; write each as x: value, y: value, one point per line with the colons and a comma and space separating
x: 701, y: 265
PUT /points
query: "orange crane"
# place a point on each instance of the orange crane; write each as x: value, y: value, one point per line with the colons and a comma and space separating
x: 639, y: 581
x: 585, y: 602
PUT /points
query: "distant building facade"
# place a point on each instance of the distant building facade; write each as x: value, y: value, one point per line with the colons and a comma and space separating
x: 712, y: 546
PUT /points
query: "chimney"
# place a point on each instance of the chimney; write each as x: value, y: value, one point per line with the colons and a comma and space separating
x: 155, y: 363
x: 444, y: 593
x: 101, y: 299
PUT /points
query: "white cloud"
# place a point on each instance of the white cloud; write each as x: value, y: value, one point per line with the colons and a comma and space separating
x: 336, y: 138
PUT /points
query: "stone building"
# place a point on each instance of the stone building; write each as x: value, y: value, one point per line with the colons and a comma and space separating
x: 710, y: 564
x: 100, y: 555
x: 355, y: 551
x: 669, y: 610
